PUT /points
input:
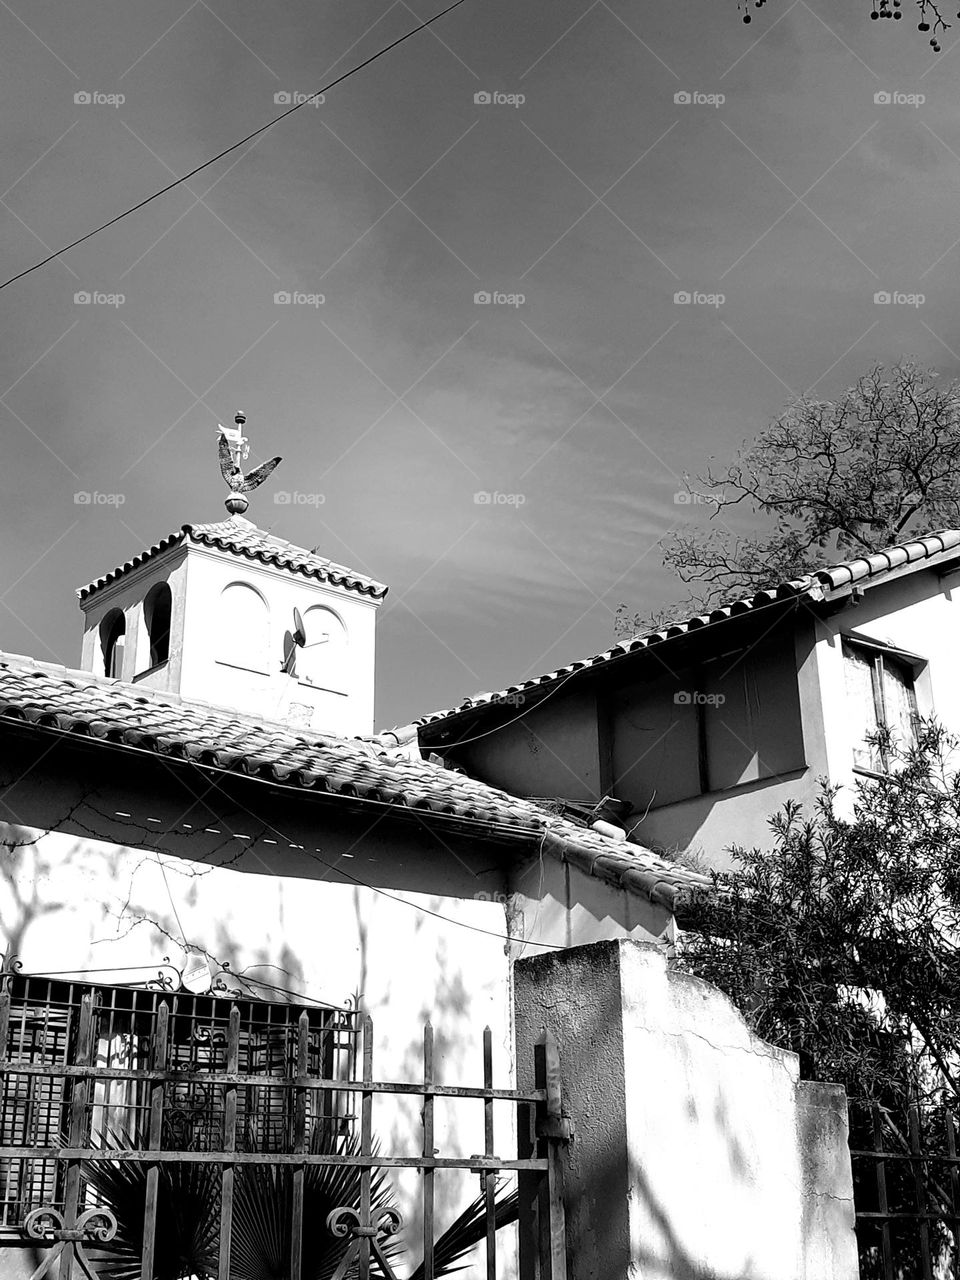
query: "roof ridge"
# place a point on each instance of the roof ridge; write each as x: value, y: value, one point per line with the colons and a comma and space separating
x: 831, y: 577
x: 242, y: 537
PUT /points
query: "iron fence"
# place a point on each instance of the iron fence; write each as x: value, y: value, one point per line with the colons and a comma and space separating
x: 136, y: 1123
x: 906, y: 1174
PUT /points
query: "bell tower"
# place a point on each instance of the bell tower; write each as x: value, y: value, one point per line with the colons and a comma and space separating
x: 231, y: 614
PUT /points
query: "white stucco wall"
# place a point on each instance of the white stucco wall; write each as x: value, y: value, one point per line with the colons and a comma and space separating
x: 333, y: 689
x: 84, y: 905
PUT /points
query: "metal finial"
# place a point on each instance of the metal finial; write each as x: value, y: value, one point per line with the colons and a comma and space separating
x: 234, y: 448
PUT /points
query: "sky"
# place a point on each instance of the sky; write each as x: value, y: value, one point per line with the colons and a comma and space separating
x: 506, y: 466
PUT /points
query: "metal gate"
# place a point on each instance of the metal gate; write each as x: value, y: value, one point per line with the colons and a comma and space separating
x: 142, y: 1131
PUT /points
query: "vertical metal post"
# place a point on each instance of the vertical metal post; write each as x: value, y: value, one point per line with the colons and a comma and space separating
x: 428, y: 1152
x: 299, y: 1146
x: 489, y: 1178
x: 882, y: 1201
x: 920, y: 1187
x: 158, y: 1062
x: 229, y: 1143
x: 553, y: 1233
x: 366, y: 1149
x: 954, y: 1187
x: 76, y: 1130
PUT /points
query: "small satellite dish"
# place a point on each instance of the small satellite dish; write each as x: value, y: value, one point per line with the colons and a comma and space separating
x: 299, y: 630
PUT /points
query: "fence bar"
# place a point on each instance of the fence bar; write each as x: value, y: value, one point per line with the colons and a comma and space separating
x: 428, y: 1153
x: 77, y: 1129
x: 366, y: 1149
x: 919, y: 1182
x: 555, y: 1239
x: 229, y: 1143
x: 885, y: 1240
x: 954, y: 1185
x: 490, y: 1177
x: 299, y: 1146
x: 154, y: 1139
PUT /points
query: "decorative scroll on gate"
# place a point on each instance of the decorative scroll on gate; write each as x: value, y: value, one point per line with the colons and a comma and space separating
x: 249, y: 1117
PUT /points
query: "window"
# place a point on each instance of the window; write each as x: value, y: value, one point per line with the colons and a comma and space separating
x: 323, y: 659
x: 112, y: 634
x: 244, y: 624
x: 157, y: 608
x: 880, y: 696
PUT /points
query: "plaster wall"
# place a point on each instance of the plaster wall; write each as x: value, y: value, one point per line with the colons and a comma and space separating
x: 560, y: 905
x: 332, y: 689
x: 341, y: 705
x: 697, y: 1154
x: 68, y: 904
x: 551, y: 750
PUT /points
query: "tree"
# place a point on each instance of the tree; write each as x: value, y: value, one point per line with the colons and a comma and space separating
x: 931, y: 19
x: 842, y: 942
x: 832, y: 480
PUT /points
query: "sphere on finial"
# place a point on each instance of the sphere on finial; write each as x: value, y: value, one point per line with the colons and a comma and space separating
x: 236, y: 504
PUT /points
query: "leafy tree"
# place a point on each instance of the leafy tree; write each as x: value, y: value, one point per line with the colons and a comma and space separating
x: 842, y: 942
x: 931, y: 19
x: 832, y: 480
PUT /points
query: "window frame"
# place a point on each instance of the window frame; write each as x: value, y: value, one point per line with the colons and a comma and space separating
x: 880, y: 653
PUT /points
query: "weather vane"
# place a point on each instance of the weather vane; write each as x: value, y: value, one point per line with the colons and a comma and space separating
x: 234, y: 449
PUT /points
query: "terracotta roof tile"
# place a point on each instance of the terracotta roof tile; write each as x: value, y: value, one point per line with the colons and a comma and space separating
x: 77, y: 703
x: 819, y: 585
x: 243, y: 538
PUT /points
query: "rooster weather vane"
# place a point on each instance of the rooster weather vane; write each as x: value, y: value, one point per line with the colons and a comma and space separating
x: 234, y: 448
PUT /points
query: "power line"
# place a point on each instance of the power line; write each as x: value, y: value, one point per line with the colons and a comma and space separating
x: 227, y: 150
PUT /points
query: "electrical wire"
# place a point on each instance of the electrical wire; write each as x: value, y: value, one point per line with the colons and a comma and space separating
x: 227, y: 150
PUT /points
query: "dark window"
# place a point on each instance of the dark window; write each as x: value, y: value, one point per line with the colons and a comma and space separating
x: 881, y: 696
x: 112, y: 634
x: 156, y: 616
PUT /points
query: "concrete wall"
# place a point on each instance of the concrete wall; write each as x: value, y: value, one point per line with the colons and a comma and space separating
x: 697, y: 1153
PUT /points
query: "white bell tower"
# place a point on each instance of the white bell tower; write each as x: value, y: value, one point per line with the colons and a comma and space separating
x: 227, y: 613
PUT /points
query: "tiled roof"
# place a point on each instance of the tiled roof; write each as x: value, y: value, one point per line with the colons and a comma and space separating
x: 243, y: 538
x: 79, y: 704
x: 821, y: 585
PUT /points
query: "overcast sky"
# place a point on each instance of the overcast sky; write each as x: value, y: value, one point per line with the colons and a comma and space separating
x: 782, y: 186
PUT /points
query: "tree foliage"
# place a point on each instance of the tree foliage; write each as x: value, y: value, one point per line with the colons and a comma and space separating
x: 842, y: 941
x: 931, y: 20
x: 829, y: 480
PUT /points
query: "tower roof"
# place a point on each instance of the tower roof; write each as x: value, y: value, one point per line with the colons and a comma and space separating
x: 243, y: 538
